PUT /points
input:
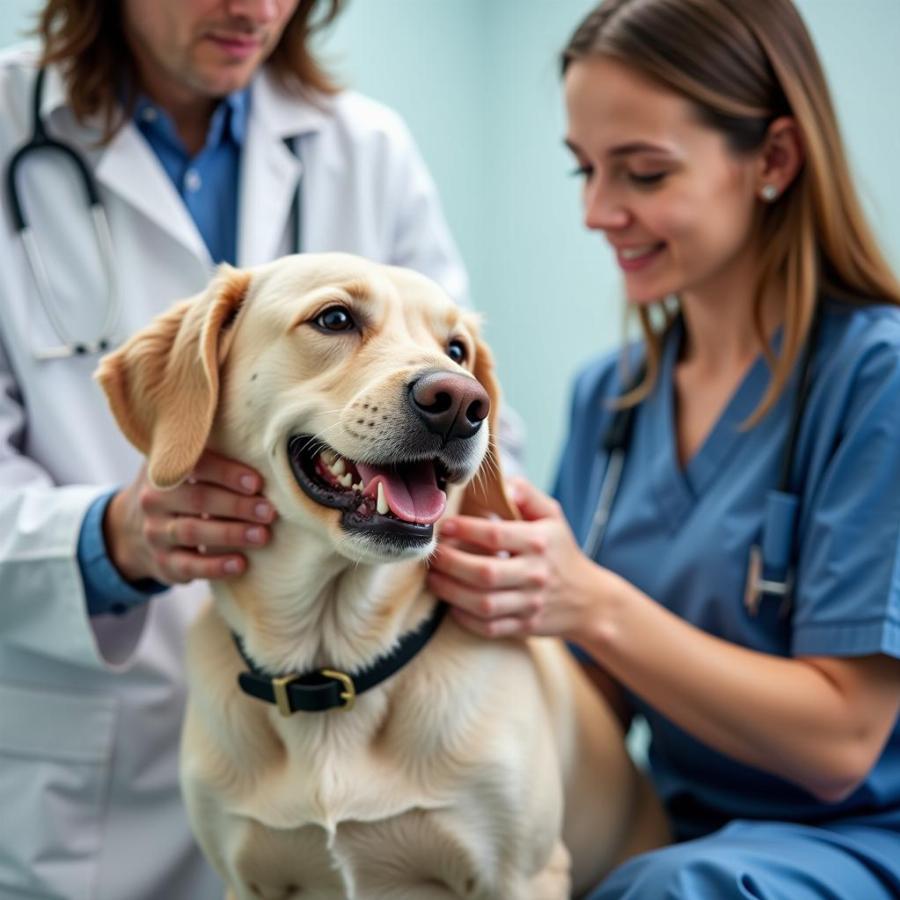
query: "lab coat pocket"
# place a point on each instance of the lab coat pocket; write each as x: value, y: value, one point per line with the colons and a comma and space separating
x: 55, y: 750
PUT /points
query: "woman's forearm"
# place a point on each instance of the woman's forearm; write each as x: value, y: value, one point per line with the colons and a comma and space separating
x: 788, y: 717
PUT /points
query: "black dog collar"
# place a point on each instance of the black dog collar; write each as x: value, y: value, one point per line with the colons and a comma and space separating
x: 325, y: 689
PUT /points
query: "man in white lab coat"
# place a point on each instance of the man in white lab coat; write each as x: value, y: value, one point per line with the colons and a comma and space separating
x: 199, y: 120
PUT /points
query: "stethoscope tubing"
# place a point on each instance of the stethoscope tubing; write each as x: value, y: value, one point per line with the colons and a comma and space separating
x: 40, y: 142
x: 774, y: 553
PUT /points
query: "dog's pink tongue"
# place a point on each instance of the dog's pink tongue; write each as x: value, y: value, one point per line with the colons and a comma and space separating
x: 412, y: 495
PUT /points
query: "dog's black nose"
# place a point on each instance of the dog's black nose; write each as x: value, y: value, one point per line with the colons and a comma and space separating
x: 451, y: 405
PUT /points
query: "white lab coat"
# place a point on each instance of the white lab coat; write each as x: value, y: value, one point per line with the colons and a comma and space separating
x: 90, y: 710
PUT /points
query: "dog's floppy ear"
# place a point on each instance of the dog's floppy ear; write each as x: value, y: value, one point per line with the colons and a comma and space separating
x: 163, y: 384
x: 486, y: 493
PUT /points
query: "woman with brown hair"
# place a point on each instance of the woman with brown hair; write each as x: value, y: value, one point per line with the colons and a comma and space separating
x: 742, y: 591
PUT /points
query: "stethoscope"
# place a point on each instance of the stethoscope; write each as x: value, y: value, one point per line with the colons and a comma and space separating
x: 770, y: 568
x: 40, y: 141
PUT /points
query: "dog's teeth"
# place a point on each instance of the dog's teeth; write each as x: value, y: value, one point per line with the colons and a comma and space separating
x: 330, y: 457
x: 357, y: 486
x: 339, y: 467
x: 381, y: 504
x: 345, y: 480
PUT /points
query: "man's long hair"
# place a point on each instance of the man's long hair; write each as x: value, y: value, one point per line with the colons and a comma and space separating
x: 86, y: 39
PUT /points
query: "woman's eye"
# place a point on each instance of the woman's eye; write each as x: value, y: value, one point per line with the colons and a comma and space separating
x: 335, y: 318
x: 584, y: 172
x: 456, y: 350
x: 646, y: 180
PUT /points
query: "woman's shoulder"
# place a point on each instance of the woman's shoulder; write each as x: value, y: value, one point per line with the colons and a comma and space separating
x: 858, y: 353
x: 858, y: 335
x: 861, y: 324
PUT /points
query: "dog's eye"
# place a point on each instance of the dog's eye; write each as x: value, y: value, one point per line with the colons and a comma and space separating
x: 456, y: 350
x: 335, y: 318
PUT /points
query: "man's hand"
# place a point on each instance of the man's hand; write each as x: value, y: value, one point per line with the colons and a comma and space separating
x: 193, y: 531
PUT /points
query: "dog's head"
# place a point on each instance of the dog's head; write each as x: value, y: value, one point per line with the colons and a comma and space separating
x: 359, y: 391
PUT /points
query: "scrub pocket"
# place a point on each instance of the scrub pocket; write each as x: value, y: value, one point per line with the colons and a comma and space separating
x: 55, y: 751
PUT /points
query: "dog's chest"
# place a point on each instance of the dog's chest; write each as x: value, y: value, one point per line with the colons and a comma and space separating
x: 404, y: 855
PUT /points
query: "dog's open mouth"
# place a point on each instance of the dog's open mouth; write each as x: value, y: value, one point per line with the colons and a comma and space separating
x: 402, y: 499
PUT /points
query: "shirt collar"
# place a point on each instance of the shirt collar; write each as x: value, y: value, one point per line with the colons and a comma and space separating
x: 238, y: 105
x: 228, y: 122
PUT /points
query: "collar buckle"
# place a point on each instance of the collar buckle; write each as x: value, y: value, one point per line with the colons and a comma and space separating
x: 348, y: 695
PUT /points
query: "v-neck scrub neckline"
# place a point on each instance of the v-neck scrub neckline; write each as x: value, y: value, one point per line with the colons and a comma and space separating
x: 678, y: 487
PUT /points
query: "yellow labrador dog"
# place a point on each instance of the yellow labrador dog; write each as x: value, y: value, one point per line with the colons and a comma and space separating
x: 343, y: 739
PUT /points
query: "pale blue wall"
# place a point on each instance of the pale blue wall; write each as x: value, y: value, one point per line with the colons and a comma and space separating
x: 476, y: 81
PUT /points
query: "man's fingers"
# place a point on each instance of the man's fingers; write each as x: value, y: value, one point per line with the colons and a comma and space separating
x: 181, y: 566
x: 214, y: 536
x: 214, y: 468
x: 205, y: 500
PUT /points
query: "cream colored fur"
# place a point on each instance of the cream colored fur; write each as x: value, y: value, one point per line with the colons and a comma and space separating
x: 483, y: 769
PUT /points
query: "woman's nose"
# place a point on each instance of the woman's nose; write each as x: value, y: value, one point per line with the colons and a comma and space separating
x: 603, y: 211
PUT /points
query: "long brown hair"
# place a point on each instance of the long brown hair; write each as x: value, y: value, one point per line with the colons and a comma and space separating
x: 741, y: 65
x: 85, y: 38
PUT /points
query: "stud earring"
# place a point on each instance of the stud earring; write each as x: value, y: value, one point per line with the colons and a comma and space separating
x: 769, y: 192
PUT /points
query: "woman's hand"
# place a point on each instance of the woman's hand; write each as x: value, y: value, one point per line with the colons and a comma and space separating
x: 195, y: 530
x: 540, y: 583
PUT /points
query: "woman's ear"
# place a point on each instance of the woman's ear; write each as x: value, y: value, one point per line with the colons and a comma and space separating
x: 486, y: 493
x: 781, y: 158
x: 163, y: 384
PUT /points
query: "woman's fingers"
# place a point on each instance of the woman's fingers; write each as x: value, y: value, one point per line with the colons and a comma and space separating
x: 487, y: 572
x: 479, y: 603
x: 532, y: 503
x: 512, y: 578
x: 495, y: 535
x: 492, y: 628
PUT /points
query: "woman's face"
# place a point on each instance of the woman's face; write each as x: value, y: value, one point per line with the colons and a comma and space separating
x: 674, y: 202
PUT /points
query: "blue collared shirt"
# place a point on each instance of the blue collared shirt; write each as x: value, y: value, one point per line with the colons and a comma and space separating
x: 208, y: 181
x: 208, y: 185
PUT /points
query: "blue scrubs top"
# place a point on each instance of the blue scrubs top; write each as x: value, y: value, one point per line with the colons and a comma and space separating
x: 683, y: 536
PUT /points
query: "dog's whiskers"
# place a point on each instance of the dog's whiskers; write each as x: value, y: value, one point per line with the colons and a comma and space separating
x: 317, y: 440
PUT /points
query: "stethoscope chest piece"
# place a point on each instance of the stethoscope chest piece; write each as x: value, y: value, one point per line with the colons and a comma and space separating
x: 770, y: 567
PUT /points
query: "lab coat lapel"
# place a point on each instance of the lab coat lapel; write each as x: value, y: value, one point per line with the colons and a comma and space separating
x: 270, y: 172
x: 129, y: 168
